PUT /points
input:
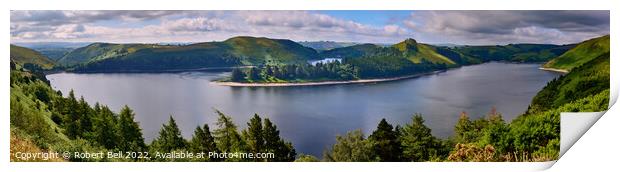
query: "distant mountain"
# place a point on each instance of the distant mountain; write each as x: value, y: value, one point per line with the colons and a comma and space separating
x: 326, y: 45
x: 235, y: 51
x: 22, y: 56
x: 581, y: 54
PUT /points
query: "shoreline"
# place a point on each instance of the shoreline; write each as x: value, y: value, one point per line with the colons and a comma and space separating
x: 553, y: 70
x: 291, y: 84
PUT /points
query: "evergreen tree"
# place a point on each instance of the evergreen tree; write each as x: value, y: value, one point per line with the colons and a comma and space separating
x: 227, y: 138
x: 72, y: 116
x: 105, y: 130
x: 254, y: 74
x: 254, y: 134
x: 385, y: 142
x: 282, y: 150
x: 350, y: 148
x: 203, y: 141
x: 170, y: 138
x: 237, y: 75
x: 129, y: 132
x: 417, y: 141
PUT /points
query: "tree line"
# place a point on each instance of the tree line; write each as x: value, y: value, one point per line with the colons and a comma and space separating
x: 348, y: 69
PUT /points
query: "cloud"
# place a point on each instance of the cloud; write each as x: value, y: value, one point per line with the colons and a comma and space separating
x: 490, y: 27
x: 464, y: 27
x: 300, y: 25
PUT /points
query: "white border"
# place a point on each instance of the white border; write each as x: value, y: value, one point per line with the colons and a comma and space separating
x: 596, y: 150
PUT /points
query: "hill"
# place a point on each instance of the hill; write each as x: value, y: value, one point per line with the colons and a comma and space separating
x: 22, y: 56
x: 514, y: 52
x: 588, y: 79
x: 237, y: 51
x: 326, y: 45
x: 581, y: 54
x: 351, y: 51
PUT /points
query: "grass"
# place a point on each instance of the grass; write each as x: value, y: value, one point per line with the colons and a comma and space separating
x: 581, y: 54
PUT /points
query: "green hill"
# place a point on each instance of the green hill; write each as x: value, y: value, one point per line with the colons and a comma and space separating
x: 417, y: 52
x: 100, y: 51
x: 22, y: 55
x: 514, y: 52
x: 351, y: 51
x: 237, y: 51
x: 586, y: 80
x: 581, y: 54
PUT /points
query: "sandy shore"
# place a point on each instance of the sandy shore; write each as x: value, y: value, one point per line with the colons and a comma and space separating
x: 554, y: 70
x: 239, y: 84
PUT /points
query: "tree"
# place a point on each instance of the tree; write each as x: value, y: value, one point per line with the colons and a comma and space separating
x: 71, y: 116
x: 282, y: 150
x: 417, y: 141
x: 254, y: 74
x: 104, y: 128
x: 129, y: 132
x: 227, y: 138
x: 237, y: 75
x: 254, y: 134
x: 350, y: 148
x: 203, y: 141
x: 385, y: 143
x: 170, y: 138
x: 463, y: 129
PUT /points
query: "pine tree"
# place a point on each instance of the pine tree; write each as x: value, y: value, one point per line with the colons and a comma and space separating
x: 170, y: 138
x: 104, y: 127
x: 385, y: 142
x: 129, y: 132
x: 203, y: 141
x: 71, y: 116
x: 237, y: 75
x: 254, y: 134
x: 227, y: 138
x: 282, y: 150
x: 417, y: 141
x: 254, y: 74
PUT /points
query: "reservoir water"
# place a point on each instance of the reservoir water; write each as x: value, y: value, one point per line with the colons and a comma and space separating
x: 311, y: 117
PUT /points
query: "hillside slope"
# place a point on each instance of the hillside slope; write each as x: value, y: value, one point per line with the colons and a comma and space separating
x: 581, y: 54
x: 22, y: 55
x: 237, y: 51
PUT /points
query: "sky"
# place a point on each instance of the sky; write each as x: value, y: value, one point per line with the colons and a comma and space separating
x: 435, y: 27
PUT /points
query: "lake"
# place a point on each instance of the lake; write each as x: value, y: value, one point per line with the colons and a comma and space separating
x: 311, y: 117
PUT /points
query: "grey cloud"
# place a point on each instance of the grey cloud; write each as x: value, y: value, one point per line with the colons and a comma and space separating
x: 503, y: 26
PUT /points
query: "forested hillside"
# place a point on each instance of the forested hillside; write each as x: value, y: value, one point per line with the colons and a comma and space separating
x: 581, y: 54
x: 30, y: 58
x: 237, y: 51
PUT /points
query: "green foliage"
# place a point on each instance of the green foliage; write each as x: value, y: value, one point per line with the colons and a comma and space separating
x: 203, y: 141
x: 385, y: 142
x: 353, y: 51
x: 306, y: 158
x: 512, y: 52
x: 237, y: 51
x: 352, y: 147
x: 582, y: 53
x: 130, y: 134
x: 227, y: 138
x: 586, y: 80
x: 105, y: 130
x: 169, y: 138
x: 417, y: 141
x: 31, y: 58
